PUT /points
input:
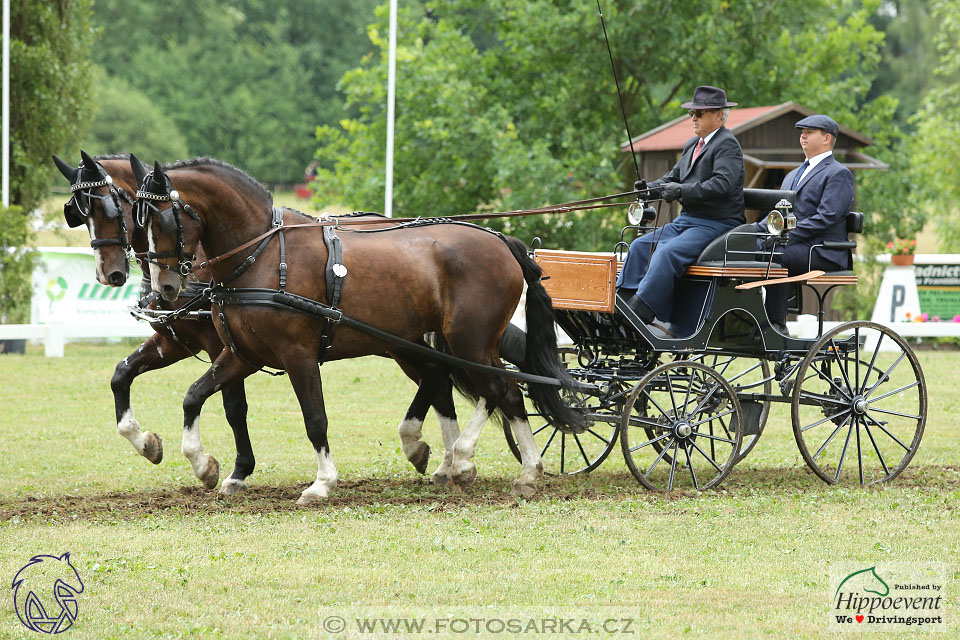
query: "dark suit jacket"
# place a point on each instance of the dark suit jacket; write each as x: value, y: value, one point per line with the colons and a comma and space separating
x: 713, y: 186
x: 823, y: 201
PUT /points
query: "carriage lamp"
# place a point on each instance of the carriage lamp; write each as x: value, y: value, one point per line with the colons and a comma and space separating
x: 639, y: 212
x: 775, y: 223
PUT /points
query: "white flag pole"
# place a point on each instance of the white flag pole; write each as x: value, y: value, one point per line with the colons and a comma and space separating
x: 5, y: 138
x: 391, y: 101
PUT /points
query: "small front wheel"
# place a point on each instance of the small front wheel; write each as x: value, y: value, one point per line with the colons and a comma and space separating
x: 682, y: 427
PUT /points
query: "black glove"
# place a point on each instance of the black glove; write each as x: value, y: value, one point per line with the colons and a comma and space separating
x: 640, y: 185
x: 671, y: 191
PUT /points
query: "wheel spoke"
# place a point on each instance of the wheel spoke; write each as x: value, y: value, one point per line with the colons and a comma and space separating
x: 819, y: 422
x: 649, y: 442
x: 841, y: 365
x: 824, y: 445
x: 886, y: 374
x: 673, y: 400
x: 542, y: 428
x: 896, y: 413
x: 859, y: 450
x: 876, y: 448
x: 713, y: 417
x: 890, y: 393
x: 693, y: 474
x: 873, y: 359
x: 582, y: 452
x: 709, y: 459
x: 713, y: 437
x: 547, y: 446
x: 843, y: 454
x: 856, y: 337
x: 884, y: 429
x: 829, y: 380
x: 598, y: 436
x: 663, y: 452
x: 673, y: 466
x: 665, y: 414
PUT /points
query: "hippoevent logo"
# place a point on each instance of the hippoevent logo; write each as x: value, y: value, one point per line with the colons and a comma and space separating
x: 894, y: 597
x: 45, y: 594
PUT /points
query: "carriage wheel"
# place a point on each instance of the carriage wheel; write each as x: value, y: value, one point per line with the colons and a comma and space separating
x: 750, y: 376
x: 569, y: 453
x: 859, y: 404
x: 682, y: 427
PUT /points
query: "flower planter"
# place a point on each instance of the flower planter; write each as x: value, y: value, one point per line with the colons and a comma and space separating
x: 901, y: 260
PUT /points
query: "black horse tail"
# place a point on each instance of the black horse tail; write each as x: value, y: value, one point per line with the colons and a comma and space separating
x: 541, y: 357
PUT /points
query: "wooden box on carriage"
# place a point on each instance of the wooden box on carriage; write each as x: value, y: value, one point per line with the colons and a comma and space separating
x: 578, y: 279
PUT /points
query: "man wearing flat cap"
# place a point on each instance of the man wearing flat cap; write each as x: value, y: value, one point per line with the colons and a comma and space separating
x: 824, y: 197
x: 708, y: 182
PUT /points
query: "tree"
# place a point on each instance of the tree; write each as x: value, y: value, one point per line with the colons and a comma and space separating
x: 507, y: 104
x: 119, y: 124
x: 246, y: 82
x: 50, y: 79
x: 935, y: 155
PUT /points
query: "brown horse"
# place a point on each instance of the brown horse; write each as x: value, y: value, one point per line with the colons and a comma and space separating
x: 460, y: 281
x: 102, y: 201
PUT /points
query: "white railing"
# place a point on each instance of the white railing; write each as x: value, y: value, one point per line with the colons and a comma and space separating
x: 55, y: 335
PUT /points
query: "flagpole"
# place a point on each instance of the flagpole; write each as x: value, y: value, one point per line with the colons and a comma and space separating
x: 391, y: 111
x: 5, y: 137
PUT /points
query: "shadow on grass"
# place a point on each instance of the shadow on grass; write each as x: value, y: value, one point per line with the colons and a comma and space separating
x: 417, y: 492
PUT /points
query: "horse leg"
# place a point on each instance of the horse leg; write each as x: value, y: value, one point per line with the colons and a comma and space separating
x: 305, y: 379
x: 516, y: 415
x: 449, y: 430
x: 235, y: 407
x: 226, y: 371
x: 156, y: 352
x: 414, y: 448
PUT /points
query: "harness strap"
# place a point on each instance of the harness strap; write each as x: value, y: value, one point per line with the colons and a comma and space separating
x: 278, y: 222
x: 335, y: 271
x: 306, y: 306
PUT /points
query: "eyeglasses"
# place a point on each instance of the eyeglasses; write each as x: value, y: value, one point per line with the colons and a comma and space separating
x: 700, y: 114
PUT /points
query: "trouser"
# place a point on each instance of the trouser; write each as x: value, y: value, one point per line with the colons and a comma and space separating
x: 654, y: 274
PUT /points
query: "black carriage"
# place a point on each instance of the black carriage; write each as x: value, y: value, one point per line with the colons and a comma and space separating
x: 687, y: 408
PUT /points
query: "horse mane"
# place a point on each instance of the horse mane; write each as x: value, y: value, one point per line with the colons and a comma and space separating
x: 240, y: 174
x: 112, y: 156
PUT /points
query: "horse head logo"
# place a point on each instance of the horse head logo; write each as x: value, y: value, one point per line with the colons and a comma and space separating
x: 45, y: 594
x: 865, y: 580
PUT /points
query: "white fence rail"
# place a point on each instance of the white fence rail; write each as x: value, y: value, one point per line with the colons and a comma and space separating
x: 56, y: 334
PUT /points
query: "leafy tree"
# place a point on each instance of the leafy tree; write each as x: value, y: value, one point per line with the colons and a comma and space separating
x: 245, y: 81
x: 507, y: 104
x: 120, y: 124
x: 50, y: 78
x: 935, y: 155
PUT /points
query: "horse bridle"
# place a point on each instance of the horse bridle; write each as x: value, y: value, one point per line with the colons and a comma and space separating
x: 82, y: 201
x: 168, y: 219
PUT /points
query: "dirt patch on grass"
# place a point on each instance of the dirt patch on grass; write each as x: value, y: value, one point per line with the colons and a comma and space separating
x: 369, y: 493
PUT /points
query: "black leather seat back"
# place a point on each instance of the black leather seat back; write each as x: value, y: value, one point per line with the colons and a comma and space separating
x: 739, y: 239
x: 764, y: 200
x: 855, y: 222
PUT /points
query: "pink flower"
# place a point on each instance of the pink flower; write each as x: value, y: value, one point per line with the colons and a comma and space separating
x: 936, y: 318
x: 924, y: 317
x: 956, y: 318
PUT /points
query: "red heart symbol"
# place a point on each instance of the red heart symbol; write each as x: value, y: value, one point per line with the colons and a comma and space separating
x: 859, y: 618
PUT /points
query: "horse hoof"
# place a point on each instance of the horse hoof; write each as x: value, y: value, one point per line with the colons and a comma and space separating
x: 466, y: 477
x: 523, y: 490
x: 440, y: 479
x: 152, y: 447
x: 232, y: 487
x: 211, y: 476
x: 309, y: 498
x: 420, y: 457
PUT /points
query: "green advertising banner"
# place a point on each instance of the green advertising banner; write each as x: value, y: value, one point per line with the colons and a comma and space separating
x: 938, y: 286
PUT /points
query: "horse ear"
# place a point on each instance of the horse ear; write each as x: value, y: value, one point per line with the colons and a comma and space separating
x: 88, y: 162
x: 159, y: 179
x: 139, y: 169
x: 70, y: 173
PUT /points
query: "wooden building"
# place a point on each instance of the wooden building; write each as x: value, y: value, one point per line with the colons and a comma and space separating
x: 770, y: 141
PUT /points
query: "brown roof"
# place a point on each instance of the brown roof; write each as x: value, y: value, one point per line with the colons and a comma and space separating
x: 673, y: 134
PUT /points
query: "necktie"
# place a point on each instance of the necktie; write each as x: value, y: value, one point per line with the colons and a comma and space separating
x: 796, y: 178
x: 696, y: 151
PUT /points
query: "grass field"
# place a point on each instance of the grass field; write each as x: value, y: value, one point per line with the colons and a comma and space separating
x: 162, y: 558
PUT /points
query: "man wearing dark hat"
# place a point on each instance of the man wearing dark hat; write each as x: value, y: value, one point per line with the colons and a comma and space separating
x: 824, y: 197
x: 708, y: 182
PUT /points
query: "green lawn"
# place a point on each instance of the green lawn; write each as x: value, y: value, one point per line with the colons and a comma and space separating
x: 162, y: 558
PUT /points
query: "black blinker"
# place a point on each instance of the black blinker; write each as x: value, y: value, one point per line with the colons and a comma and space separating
x: 70, y: 214
x: 168, y: 223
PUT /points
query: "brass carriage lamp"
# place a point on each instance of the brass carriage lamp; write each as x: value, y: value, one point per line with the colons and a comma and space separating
x: 781, y: 220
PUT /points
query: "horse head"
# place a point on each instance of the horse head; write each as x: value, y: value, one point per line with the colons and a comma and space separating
x: 173, y: 230
x: 101, y: 201
x: 44, y: 582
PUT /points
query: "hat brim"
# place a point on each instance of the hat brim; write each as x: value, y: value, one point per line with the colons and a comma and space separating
x: 696, y: 105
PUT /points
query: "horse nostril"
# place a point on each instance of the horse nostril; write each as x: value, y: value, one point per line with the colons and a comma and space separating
x: 169, y: 292
x: 116, y: 278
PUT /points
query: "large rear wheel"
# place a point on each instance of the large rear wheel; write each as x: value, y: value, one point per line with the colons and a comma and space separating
x: 859, y: 405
